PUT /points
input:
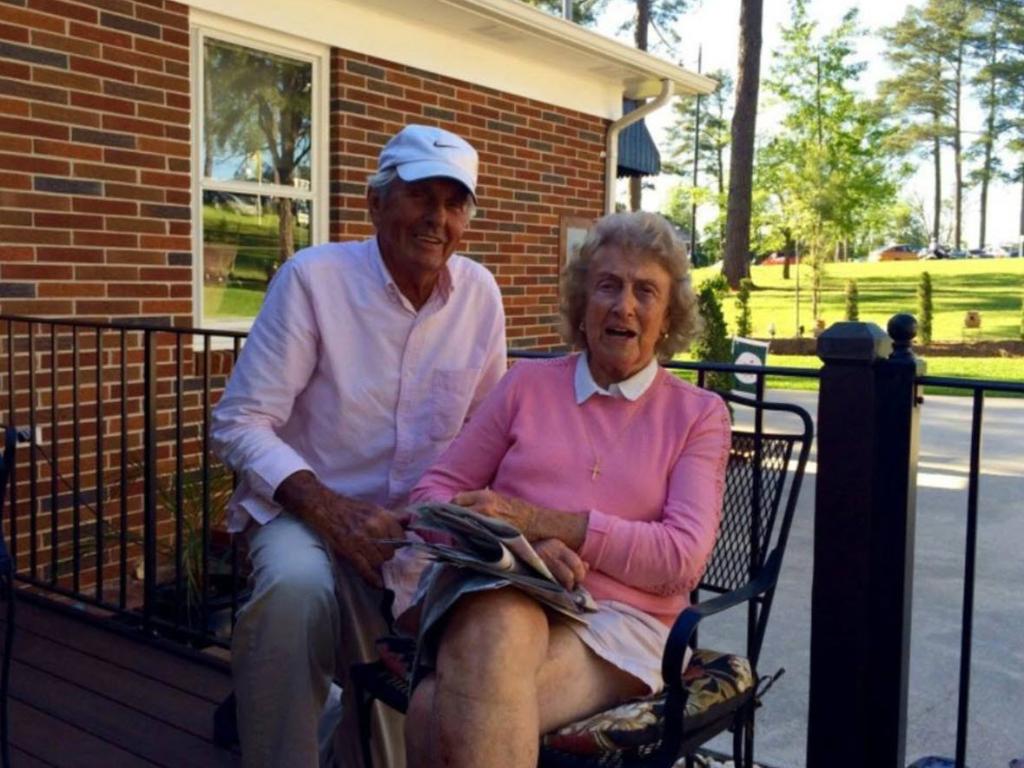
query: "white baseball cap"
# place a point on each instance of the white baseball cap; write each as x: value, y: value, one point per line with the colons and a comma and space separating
x: 424, y: 152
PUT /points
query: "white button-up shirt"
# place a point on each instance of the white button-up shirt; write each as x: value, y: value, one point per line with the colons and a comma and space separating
x: 342, y: 376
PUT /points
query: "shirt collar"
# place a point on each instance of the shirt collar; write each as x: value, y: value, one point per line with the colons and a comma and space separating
x: 445, y: 282
x: 629, y: 389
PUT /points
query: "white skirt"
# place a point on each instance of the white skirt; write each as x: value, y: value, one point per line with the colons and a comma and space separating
x: 622, y: 635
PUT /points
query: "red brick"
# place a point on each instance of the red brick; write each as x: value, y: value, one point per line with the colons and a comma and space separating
x: 105, y: 273
x: 70, y: 255
x: 134, y: 159
x: 175, y: 36
x: 13, y: 218
x: 165, y: 114
x: 165, y: 242
x: 67, y: 10
x: 58, y: 114
x: 31, y: 235
x: 34, y: 201
x: 9, y: 253
x: 102, y: 69
x: 167, y: 51
x: 34, y: 164
x: 68, y: 221
x: 24, y: 18
x: 166, y: 274
x: 164, y: 147
x: 68, y: 80
x: 67, y: 149
x: 22, y: 127
x: 104, y: 172
x: 134, y: 224
x: 133, y: 58
x: 163, y: 179
x: 107, y: 307
x: 166, y: 307
x: 132, y: 125
x: 37, y: 272
x: 13, y: 107
x: 13, y: 33
x: 15, y: 70
x: 64, y: 43
x: 100, y: 34
x: 71, y: 290
x: 36, y: 308
x: 121, y: 256
x: 106, y: 239
x: 137, y: 290
x: 15, y: 144
x: 178, y: 100
x: 133, y: 192
x: 102, y: 205
x: 102, y: 103
x: 166, y: 82
x: 15, y: 181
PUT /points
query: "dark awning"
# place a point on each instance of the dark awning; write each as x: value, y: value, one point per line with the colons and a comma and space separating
x: 638, y: 156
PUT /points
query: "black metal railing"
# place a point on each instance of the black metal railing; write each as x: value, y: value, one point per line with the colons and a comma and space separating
x: 123, y: 504
x: 977, y: 389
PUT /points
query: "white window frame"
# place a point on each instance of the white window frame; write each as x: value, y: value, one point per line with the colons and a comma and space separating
x: 207, y: 25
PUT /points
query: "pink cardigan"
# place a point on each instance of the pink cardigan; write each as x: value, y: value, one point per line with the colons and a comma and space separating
x: 654, y: 508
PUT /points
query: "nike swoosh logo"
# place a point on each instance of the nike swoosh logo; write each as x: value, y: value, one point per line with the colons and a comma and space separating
x: 439, y: 144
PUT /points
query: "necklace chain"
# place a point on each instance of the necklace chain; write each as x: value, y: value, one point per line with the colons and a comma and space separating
x: 595, y: 470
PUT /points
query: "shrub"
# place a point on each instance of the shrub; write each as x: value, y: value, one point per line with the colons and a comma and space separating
x: 852, y: 299
x: 743, y: 307
x: 712, y: 344
x: 924, y: 308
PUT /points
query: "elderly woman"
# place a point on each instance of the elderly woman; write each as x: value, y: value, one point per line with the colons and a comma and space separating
x: 615, y: 469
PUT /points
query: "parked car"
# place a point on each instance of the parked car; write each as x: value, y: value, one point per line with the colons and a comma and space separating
x: 900, y: 252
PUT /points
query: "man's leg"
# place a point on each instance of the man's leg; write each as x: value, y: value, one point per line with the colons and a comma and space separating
x: 362, y: 623
x: 283, y: 650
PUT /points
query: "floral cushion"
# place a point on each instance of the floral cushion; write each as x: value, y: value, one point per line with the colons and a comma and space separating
x: 716, y: 683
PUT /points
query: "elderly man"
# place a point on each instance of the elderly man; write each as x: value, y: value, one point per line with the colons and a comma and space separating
x: 361, y: 367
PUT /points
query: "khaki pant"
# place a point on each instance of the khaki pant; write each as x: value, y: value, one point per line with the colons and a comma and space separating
x: 306, y: 621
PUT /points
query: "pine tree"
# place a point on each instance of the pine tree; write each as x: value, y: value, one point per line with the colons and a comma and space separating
x: 852, y: 300
x: 712, y: 344
x: 924, y: 308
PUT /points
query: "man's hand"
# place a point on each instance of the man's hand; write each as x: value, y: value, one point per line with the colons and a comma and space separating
x: 565, y: 565
x: 354, y: 530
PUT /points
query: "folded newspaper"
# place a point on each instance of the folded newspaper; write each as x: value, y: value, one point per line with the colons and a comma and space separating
x: 497, y: 548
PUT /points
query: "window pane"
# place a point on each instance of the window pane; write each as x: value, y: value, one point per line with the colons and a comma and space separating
x: 245, y: 240
x: 257, y: 115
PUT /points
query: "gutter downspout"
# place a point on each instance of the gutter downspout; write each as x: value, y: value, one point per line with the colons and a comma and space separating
x: 611, y: 149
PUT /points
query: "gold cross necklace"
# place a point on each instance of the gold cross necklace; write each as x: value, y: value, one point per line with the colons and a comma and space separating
x: 595, y: 470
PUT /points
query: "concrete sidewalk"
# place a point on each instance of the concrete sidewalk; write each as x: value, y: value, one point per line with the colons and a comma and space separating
x: 996, y: 731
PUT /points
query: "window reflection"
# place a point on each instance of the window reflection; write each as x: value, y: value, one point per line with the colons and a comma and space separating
x: 245, y: 239
x: 257, y: 115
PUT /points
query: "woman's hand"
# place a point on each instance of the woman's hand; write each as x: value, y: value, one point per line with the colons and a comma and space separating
x: 519, y: 513
x: 565, y: 565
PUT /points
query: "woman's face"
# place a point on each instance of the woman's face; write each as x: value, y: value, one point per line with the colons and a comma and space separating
x: 626, y: 312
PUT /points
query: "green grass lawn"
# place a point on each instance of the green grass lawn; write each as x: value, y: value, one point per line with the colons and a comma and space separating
x: 994, y: 287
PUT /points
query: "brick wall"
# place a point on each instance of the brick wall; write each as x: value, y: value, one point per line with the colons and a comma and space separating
x: 537, y: 162
x: 94, y: 159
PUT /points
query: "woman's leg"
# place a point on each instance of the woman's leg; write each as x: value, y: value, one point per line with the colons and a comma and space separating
x: 503, y: 678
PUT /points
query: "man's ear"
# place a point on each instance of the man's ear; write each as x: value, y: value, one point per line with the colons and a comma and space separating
x: 373, y: 204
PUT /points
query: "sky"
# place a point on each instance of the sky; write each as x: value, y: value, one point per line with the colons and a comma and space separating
x: 713, y: 25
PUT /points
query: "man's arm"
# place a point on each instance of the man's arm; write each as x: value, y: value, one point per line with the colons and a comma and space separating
x: 352, y: 529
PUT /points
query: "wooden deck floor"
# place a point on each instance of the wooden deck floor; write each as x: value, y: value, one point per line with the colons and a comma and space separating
x: 82, y: 695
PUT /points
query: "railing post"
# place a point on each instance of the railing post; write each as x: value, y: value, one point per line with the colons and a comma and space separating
x: 868, y: 420
x: 149, y: 380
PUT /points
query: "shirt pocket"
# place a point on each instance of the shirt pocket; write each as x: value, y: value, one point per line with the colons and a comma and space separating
x: 451, y: 392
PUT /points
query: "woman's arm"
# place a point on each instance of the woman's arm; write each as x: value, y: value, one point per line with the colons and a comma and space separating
x: 668, y: 556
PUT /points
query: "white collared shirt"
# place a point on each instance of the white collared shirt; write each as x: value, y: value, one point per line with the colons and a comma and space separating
x: 342, y: 376
x: 630, y: 389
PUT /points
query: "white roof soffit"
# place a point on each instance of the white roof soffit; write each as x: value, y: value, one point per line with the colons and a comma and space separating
x: 506, y: 45
x: 530, y: 31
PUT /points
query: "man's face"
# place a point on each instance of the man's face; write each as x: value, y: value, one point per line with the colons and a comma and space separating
x: 419, y: 224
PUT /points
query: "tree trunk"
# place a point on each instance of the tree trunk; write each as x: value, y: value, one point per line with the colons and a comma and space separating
x: 635, y: 193
x: 737, y: 239
x: 990, y: 127
x: 937, y: 152
x: 958, y: 162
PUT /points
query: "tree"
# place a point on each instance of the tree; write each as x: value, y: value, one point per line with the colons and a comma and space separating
x: 711, y: 144
x: 741, y: 162
x: 584, y: 12
x: 928, y: 49
x: 826, y: 171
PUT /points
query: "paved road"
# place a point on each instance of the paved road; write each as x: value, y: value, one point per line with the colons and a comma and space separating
x: 996, y: 731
